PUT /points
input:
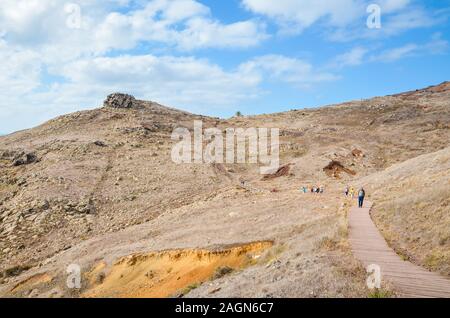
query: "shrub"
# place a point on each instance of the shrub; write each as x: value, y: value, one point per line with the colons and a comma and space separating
x: 222, y: 271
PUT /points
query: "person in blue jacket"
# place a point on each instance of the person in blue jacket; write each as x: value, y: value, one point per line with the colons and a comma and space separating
x: 361, y: 196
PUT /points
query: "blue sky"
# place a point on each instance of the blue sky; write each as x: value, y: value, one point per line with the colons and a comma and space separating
x: 214, y: 57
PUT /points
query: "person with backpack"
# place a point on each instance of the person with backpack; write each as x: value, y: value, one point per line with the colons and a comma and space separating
x: 361, y: 196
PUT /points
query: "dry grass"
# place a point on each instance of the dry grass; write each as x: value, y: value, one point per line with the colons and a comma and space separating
x: 417, y: 227
x: 413, y: 211
x: 133, y: 181
x: 381, y: 293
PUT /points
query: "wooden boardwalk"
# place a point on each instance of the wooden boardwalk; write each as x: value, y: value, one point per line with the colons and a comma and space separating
x: 369, y: 247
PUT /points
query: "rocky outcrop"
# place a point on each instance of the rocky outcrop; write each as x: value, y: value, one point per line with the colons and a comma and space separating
x: 25, y: 159
x: 357, y: 153
x: 19, y: 158
x: 119, y: 100
x: 335, y: 168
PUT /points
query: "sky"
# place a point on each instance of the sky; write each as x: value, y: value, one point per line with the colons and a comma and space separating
x: 214, y: 57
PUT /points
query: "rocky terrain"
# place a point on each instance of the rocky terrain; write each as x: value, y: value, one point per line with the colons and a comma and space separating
x: 97, y: 187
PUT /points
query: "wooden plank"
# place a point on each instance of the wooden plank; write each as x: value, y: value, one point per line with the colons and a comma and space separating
x: 370, y: 247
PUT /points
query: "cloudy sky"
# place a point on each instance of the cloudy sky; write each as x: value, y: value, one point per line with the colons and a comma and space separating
x: 214, y: 57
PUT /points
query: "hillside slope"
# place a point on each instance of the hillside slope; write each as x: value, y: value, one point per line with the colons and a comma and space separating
x: 100, y: 185
x: 413, y: 208
x: 94, y: 172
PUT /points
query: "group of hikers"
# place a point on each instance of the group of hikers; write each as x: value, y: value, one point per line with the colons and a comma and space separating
x: 350, y: 191
x: 314, y: 189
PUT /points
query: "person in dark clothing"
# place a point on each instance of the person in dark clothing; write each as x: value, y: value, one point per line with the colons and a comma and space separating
x: 361, y: 196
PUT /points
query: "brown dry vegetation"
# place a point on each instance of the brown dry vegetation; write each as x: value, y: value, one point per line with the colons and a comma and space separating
x: 104, y: 187
x: 413, y: 209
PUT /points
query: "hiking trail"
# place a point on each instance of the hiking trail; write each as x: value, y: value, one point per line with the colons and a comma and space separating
x: 369, y: 246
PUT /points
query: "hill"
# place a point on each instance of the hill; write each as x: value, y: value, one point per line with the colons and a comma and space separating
x: 98, y: 188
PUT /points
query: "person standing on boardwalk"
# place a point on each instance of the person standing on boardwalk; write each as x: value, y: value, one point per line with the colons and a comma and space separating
x: 361, y: 196
x: 352, y: 192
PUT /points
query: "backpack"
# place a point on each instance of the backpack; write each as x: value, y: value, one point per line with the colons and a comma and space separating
x: 362, y: 193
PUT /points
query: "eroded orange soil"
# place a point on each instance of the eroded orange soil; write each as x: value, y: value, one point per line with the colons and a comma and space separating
x: 166, y: 273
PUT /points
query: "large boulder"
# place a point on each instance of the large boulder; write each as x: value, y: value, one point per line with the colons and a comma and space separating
x: 19, y: 158
x: 25, y: 159
x: 118, y: 100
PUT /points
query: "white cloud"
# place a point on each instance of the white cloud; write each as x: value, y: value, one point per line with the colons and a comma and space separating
x: 360, y: 55
x: 436, y: 45
x: 184, y: 81
x: 345, y: 20
x: 396, y: 53
x: 184, y: 24
x: 304, y: 13
x: 176, y: 11
x: 389, y: 6
x: 41, y: 56
x: 285, y: 69
x: 205, y: 33
x: 19, y: 71
x: 352, y: 58
x: 296, y: 15
x: 22, y: 18
x: 394, y: 22
x: 198, y: 30
x: 43, y: 22
x: 189, y: 83
x: 407, y: 20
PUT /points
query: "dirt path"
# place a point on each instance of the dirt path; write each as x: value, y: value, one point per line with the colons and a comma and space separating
x: 369, y: 247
